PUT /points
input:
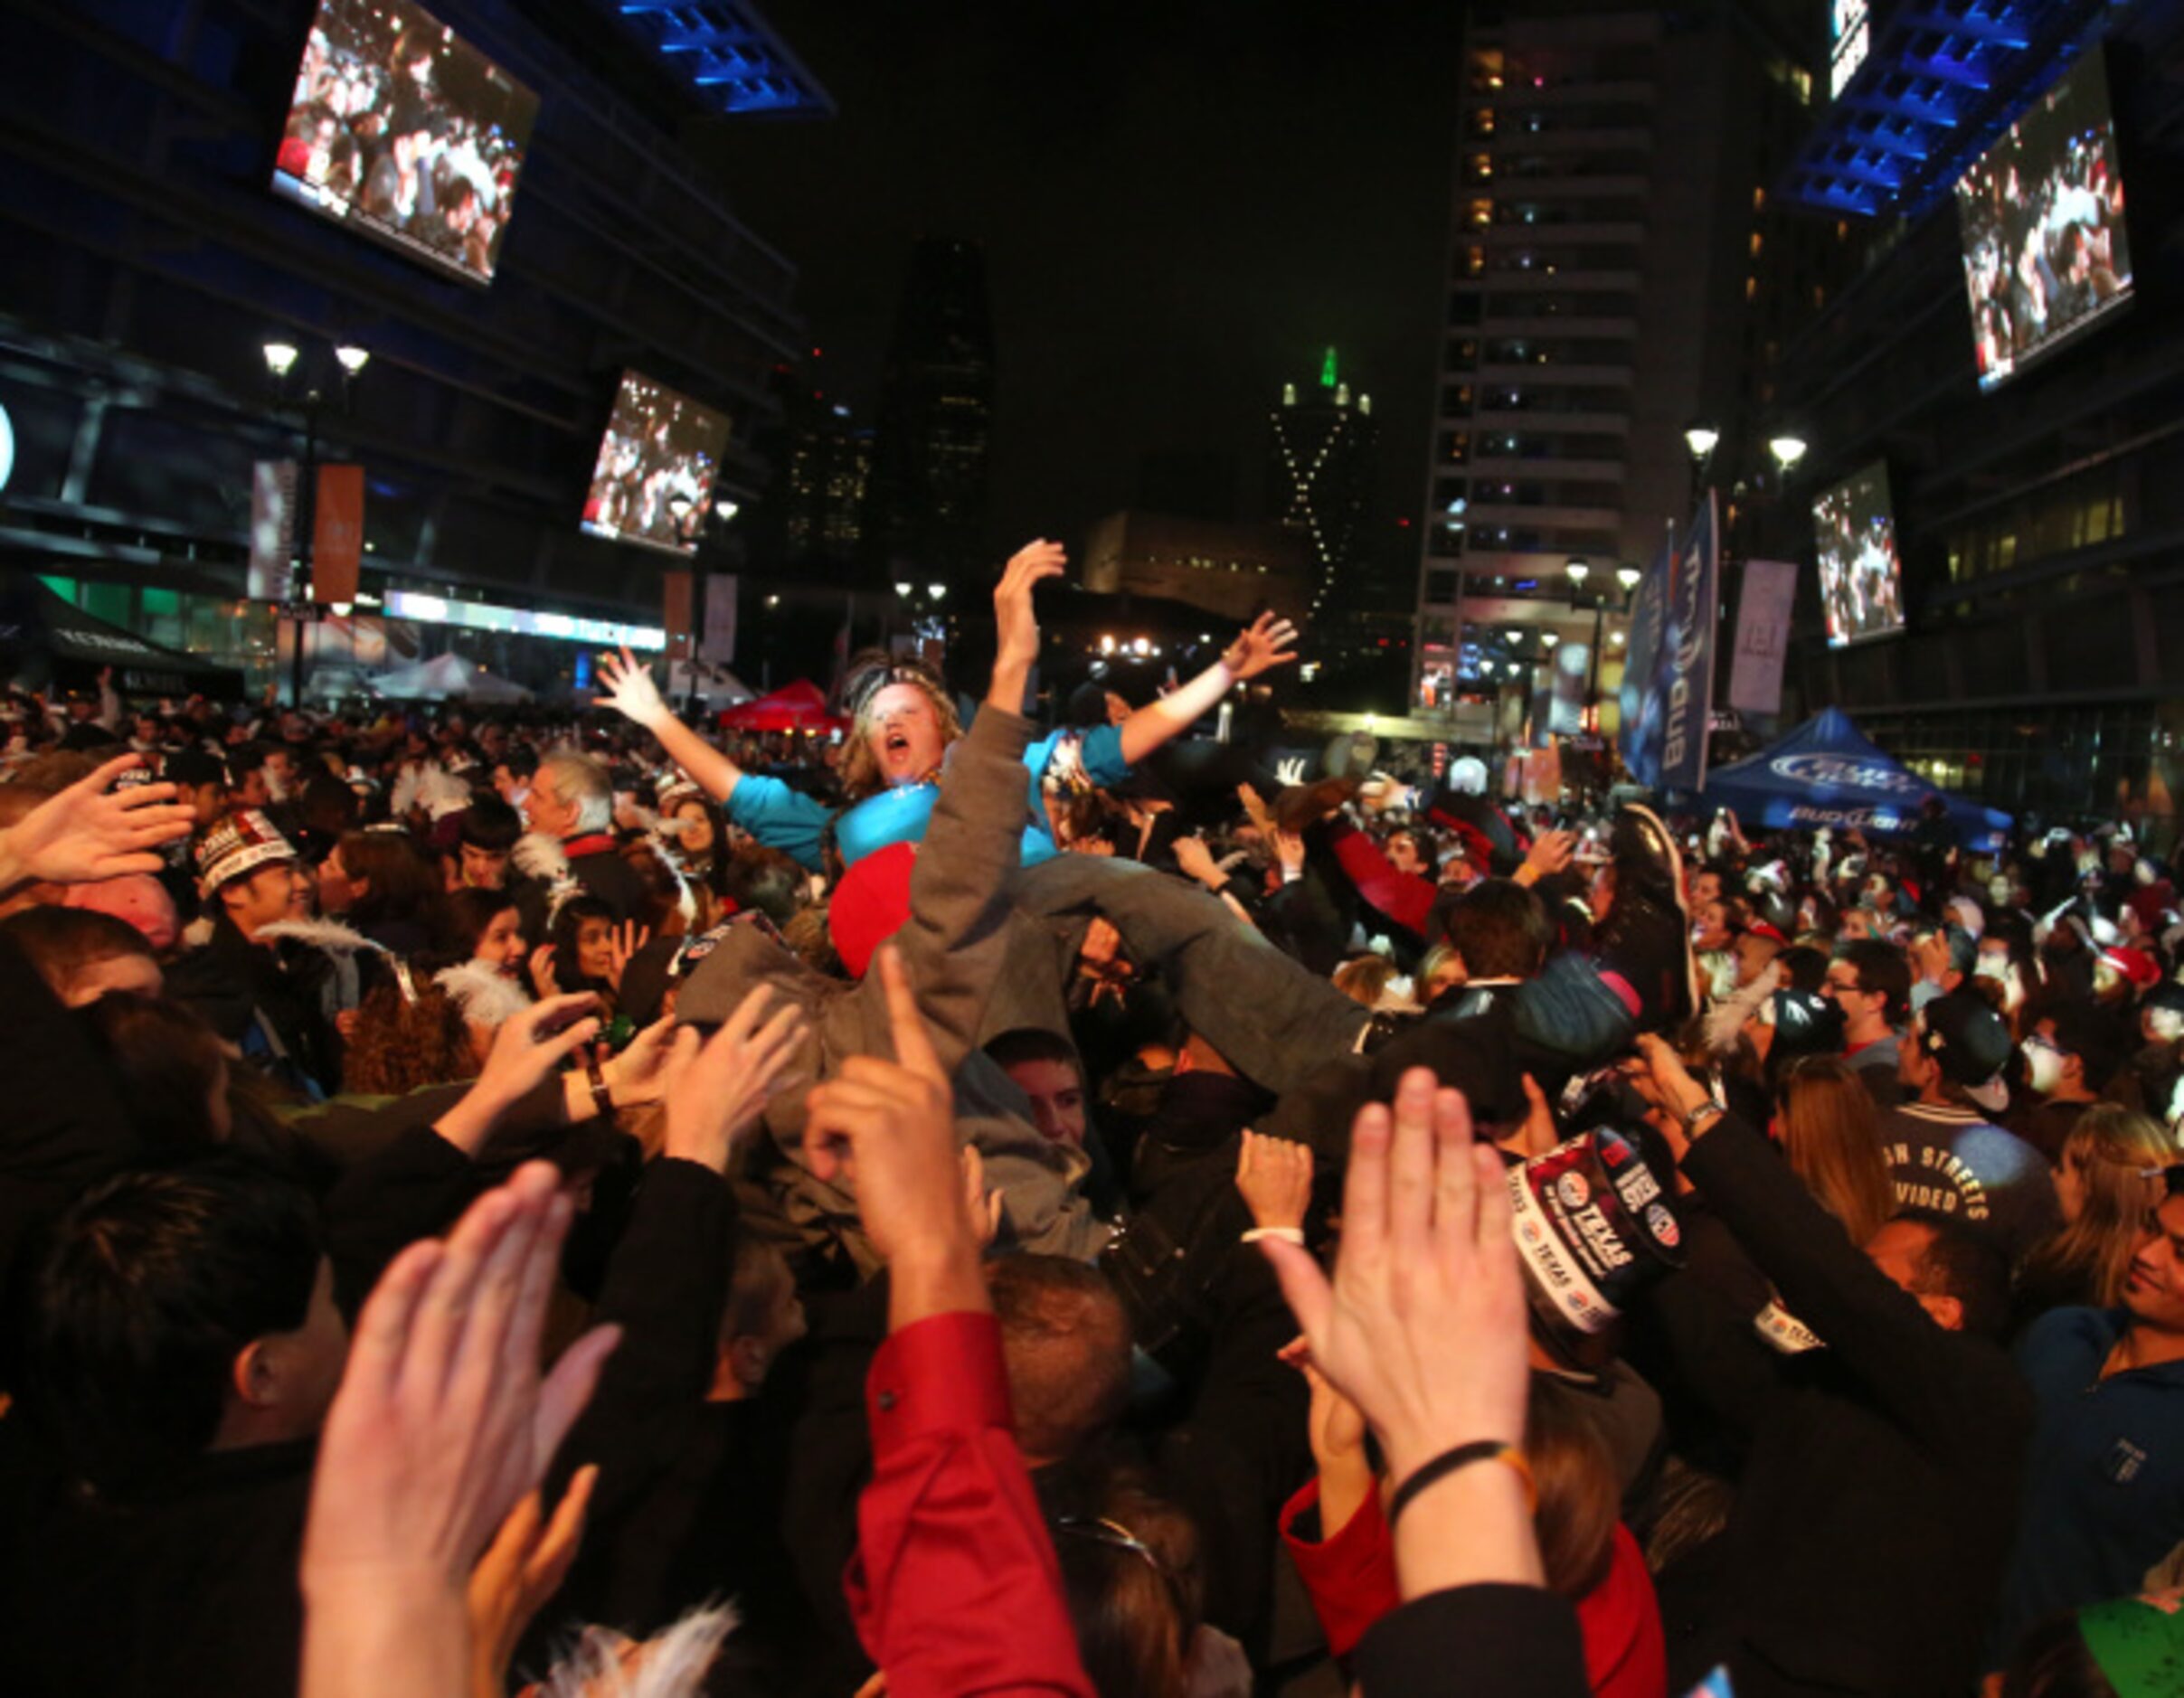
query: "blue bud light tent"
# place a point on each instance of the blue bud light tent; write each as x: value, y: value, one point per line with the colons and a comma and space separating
x: 1827, y: 772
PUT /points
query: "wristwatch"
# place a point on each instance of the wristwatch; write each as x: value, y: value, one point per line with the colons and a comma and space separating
x: 1709, y: 1108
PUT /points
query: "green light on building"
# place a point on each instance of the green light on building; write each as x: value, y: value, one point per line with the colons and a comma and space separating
x: 1326, y: 370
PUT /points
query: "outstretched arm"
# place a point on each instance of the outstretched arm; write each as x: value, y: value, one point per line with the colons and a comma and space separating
x: 1016, y: 628
x: 1264, y: 644
x: 630, y: 692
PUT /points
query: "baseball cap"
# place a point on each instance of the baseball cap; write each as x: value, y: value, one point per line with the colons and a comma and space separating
x: 1969, y: 1042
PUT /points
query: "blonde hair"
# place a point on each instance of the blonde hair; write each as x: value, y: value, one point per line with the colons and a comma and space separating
x: 1831, y: 1136
x: 860, y: 767
x: 2112, y: 1146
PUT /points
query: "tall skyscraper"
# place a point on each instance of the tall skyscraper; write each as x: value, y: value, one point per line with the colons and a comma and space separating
x: 828, y: 466
x: 812, y: 513
x: 1319, y: 469
x: 1606, y: 293
x: 926, y: 505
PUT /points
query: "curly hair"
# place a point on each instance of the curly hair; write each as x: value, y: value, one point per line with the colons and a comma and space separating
x: 869, y: 673
x: 400, y: 1046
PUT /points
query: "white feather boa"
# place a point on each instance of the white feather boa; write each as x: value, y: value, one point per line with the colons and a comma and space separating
x: 486, y: 997
x: 673, y: 1664
x: 1726, y: 1021
x: 330, y: 934
x: 541, y: 858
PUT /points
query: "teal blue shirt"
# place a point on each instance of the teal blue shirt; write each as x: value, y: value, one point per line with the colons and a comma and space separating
x: 787, y: 819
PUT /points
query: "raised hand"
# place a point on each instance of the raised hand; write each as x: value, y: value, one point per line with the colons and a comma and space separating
x: 1549, y: 853
x: 639, y: 1074
x: 624, y: 941
x: 889, y: 1128
x: 1290, y: 771
x: 441, y: 1425
x: 1275, y: 1176
x: 1197, y: 861
x: 985, y: 1206
x: 1016, y: 624
x: 525, y: 1565
x: 716, y: 1088
x: 91, y: 830
x: 528, y: 1047
x: 1423, y: 1325
x: 1262, y: 644
x: 630, y: 690
x: 542, y: 982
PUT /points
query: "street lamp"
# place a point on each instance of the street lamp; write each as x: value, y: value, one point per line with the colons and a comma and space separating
x: 283, y: 359
x: 937, y: 591
x: 1788, y: 449
x: 1701, y: 438
x: 1628, y: 577
x: 1577, y: 570
x: 903, y: 590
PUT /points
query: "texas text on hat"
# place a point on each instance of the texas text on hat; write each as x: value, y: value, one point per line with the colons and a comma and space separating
x: 243, y: 842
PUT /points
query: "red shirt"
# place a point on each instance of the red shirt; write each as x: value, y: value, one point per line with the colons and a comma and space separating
x: 954, y: 1588
x: 1405, y: 898
x: 1351, y: 1577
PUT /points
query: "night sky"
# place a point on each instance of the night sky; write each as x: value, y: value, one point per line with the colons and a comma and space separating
x: 1180, y: 205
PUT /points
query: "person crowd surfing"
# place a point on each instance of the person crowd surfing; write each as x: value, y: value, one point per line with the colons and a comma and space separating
x: 1003, y: 1203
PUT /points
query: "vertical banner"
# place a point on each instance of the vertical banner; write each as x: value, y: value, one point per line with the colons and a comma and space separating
x: 1763, y: 636
x: 718, y: 649
x: 675, y: 602
x: 336, y: 533
x: 1684, y: 674
x: 1639, y: 709
x: 272, y: 530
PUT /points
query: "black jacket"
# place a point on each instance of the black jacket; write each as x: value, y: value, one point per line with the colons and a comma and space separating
x: 270, y: 1001
x: 193, y: 1590
x: 1879, y: 1497
x: 687, y: 1504
x: 1489, y: 1641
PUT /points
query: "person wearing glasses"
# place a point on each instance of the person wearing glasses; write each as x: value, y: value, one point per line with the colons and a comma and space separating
x: 1870, y: 982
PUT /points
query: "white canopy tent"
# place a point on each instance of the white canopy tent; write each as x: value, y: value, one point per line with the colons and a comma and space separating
x: 448, y: 677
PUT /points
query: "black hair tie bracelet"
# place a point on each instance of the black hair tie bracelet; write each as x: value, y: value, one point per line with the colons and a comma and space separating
x: 1462, y: 1456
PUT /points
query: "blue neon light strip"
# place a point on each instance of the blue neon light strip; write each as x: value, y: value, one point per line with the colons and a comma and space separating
x: 1941, y: 80
x: 727, y: 54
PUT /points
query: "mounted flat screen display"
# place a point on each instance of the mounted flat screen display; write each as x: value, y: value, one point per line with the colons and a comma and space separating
x: 1861, y: 575
x: 2041, y: 215
x: 655, y: 468
x: 402, y: 130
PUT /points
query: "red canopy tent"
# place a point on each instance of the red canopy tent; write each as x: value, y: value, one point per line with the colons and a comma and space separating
x: 797, y: 707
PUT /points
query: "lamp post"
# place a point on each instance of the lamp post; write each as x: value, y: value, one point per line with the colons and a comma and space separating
x: 1578, y: 570
x: 1701, y: 438
x: 282, y: 359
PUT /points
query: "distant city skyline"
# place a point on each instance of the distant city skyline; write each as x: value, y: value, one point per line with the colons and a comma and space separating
x: 1180, y: 207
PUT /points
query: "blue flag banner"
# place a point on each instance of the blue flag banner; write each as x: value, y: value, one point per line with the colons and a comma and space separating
x: 1684, y: 673
x: 1639, y: 740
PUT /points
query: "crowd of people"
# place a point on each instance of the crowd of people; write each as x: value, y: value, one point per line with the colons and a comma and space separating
x: 1029, y: 1199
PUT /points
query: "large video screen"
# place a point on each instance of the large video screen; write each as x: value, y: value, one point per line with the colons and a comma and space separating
x: 404, y: 131
x: 1861, y: 575
x: 2042, y: 221
x: 657, y: 464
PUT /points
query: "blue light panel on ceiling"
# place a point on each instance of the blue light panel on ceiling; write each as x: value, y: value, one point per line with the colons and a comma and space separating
x: 728, y: 55
x: 1937, y: 82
